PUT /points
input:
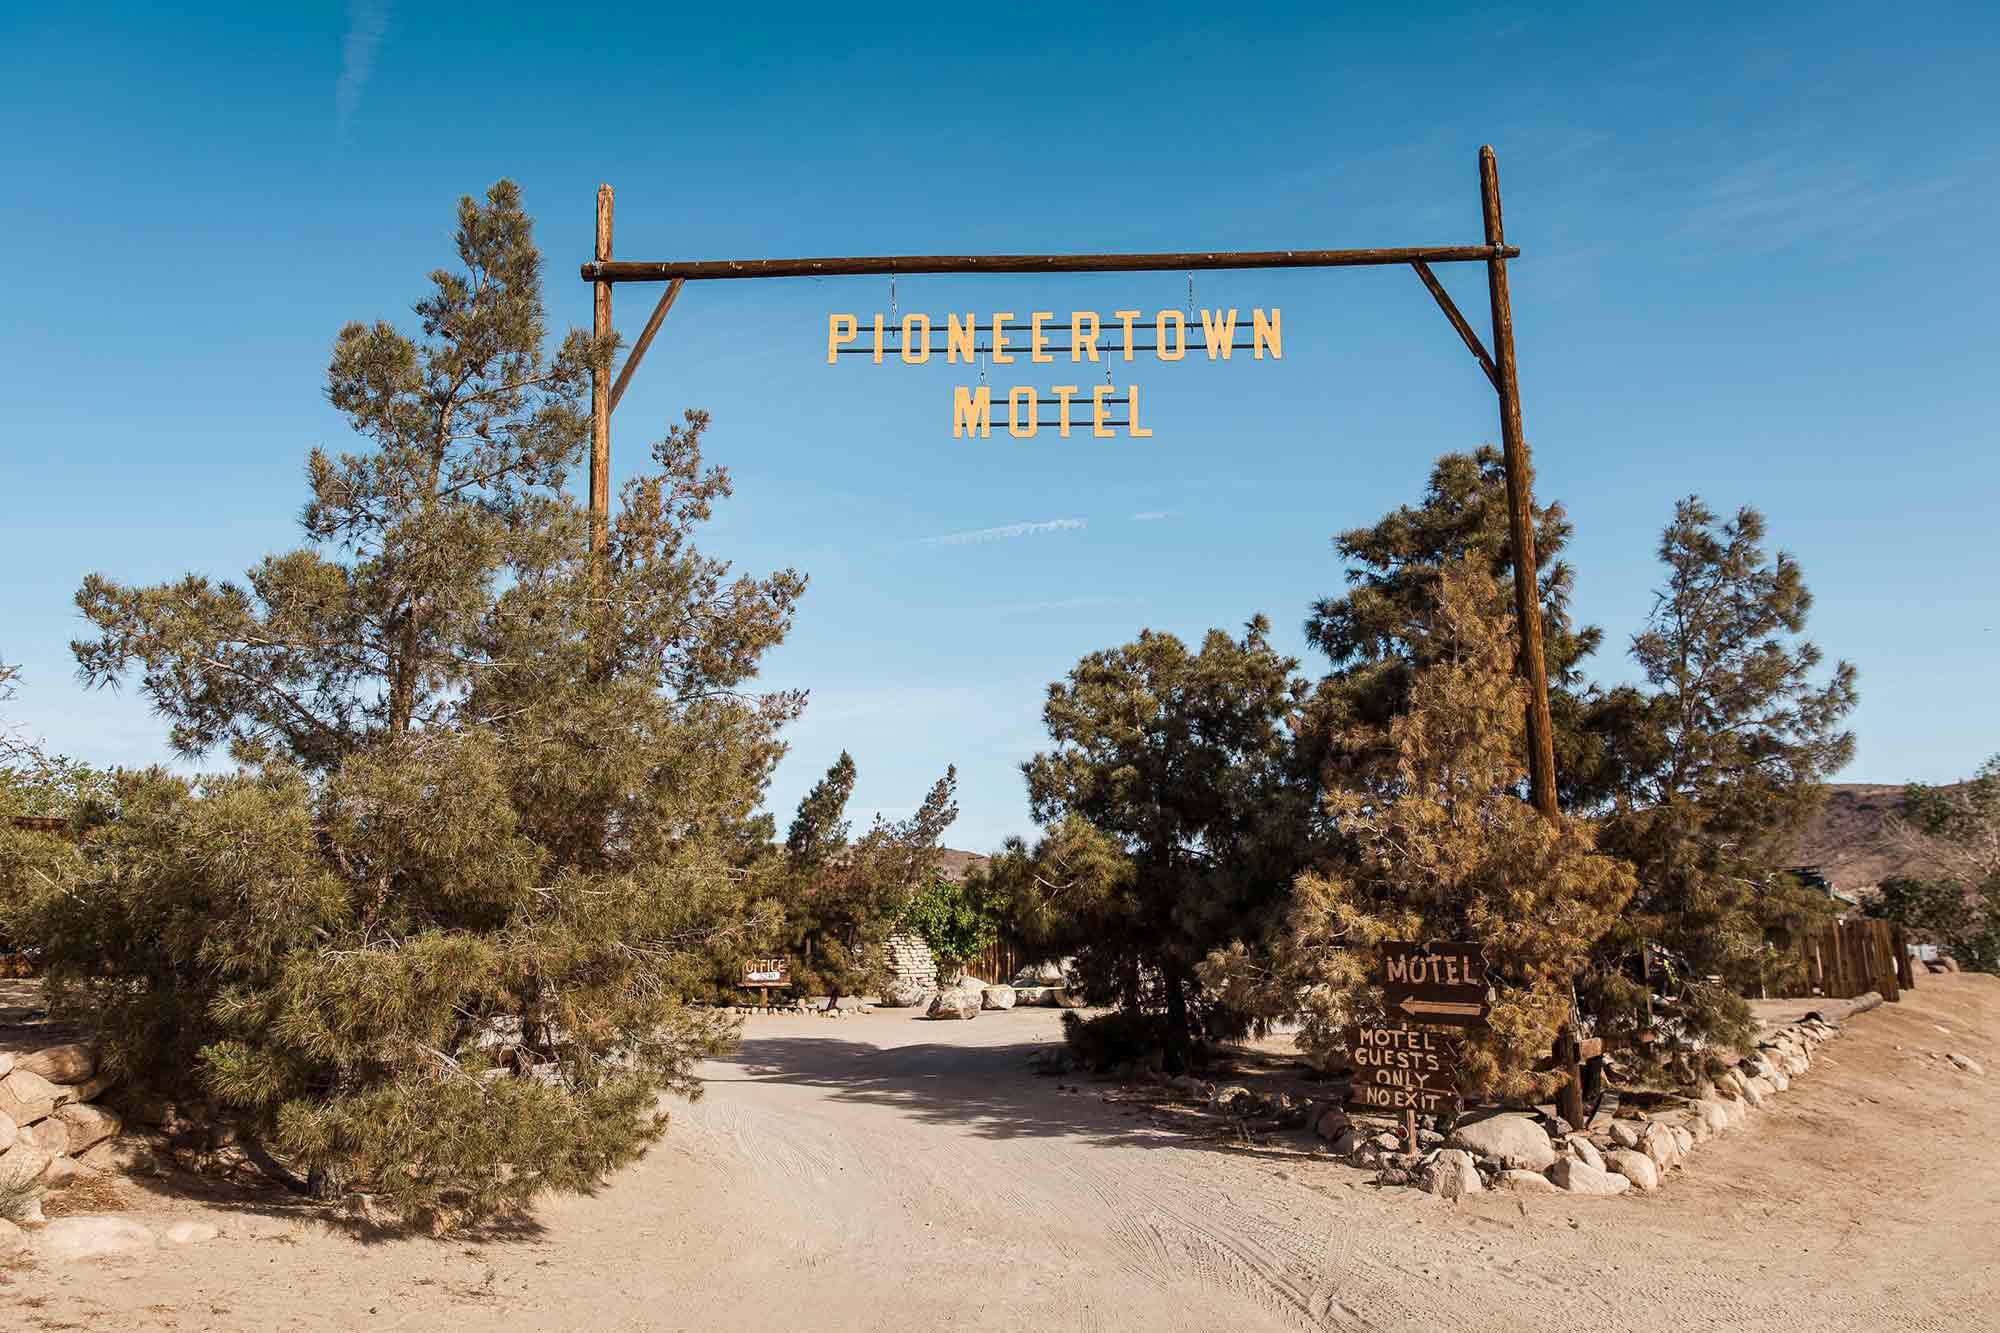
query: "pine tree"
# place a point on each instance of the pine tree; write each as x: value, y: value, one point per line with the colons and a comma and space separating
x: 496, y: 809
x: 1442, y: 848
x: 1178, y: 810
x: 1723, y: 762
x: 844, y: 898
x: 1371, y: 633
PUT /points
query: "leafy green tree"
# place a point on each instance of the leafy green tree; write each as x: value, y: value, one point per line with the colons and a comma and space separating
x: 843, y: 899
x: 1962, y: 920
x: 955, y: 919
x: 496, y: 808
x: 1177, y: 809
x: 1723, y: 761
x: 1451, y: 853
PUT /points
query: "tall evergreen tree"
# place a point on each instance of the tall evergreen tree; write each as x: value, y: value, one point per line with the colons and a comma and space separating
x: 1372, y: 634
x: 1724, y: 761
x: 1451, y: 853
x: 496, y: 806
x: 1178, y: 809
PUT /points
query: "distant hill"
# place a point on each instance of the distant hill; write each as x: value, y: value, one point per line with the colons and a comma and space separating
x: 1848, y: 840
x: 955, y: 863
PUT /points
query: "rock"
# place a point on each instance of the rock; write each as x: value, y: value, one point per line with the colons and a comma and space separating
x: 1513, y: 1139
x: 72, y: 1063
x: 61, y: 1171
x: 48, y: 1135
x: 1331, y: 1124
x: 996, y: 997
x: 23, y: 1164
x: 1041, y: 974
x: 1659, y: 1144
x: 1526, y: 1182
x: 1582, y: 1178
x: 1778, y: 1080
x: 1386, y: 1142
x: 6, y: 1063
x: 11, y: 1236
x: 1758, y: 1066
x: 1738, y: 1111
x: 1714, y: 1114
x: 954, y: 1004
x: 27, y: 1097
x: 971, y: 983
x: 1452, y: 1175
x: 1062, y: 997
x: 1732, y: 1083
x: 1757, y: 1091
x: 1347, y: 1141
x: 129, y: 1156
x: 91, y: 1088
x: 9, y: 1131
x: 1636, y: 1167
x: 1031, y: 997
x: 1227, y: 1098
x: 1967, y: 1063
x: 72, y: 1238
x: 1796, y: 1065
x: 189, y: 1233
x: 904, y: 993
x: 1584, y: 1150
x: 85, y: 1125
x: 1625, y: 1133
x: 1683, y: 1138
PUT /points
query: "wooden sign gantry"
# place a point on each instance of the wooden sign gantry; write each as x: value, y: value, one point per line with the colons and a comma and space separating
x: 603, y: 272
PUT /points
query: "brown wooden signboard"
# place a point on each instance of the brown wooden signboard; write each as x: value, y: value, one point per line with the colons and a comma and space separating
x: 765, y: 973
x: 1403, y: 1069
x: 1440, y: 983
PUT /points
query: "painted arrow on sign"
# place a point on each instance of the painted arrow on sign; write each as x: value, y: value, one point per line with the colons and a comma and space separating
x: 1442, y: 1011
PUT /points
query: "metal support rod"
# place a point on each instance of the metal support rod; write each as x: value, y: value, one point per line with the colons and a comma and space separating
x: 638, y: 352
x: 1465, y: 333
x: 707, y: 269
x: 600, y: 394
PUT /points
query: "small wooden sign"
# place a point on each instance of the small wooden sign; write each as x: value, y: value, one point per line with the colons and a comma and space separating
x: 1403, y: 1069
x: 1442, y: 983
x: 1413, y: 1101
x: 767, y: 972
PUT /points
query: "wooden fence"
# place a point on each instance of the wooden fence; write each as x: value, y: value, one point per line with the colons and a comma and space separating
x: 1001, y: 960
x: 1850, y: 958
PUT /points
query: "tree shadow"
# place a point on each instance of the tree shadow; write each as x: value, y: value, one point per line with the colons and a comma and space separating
x: 991, y: 1092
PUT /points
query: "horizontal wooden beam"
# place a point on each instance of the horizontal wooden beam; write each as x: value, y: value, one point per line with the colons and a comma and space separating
x: 702, y: 270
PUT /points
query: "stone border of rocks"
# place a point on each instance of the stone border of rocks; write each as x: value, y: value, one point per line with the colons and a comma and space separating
x: 1515, y: 1151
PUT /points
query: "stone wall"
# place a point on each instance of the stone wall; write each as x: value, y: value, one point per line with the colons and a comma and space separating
x: 913, y: 972
x: 49, y: 1123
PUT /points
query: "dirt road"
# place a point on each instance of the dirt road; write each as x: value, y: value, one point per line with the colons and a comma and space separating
x: 887, y: 1173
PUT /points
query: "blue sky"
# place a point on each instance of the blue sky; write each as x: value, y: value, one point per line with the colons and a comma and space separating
x: 1756, y: 266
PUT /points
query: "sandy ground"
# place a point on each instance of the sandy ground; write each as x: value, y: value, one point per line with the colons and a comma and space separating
x: 882, y: 1172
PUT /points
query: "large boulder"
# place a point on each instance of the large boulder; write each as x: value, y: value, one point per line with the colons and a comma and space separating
x: 1525, y: 1182
x: 971, y: 983
x: 904, y: 993
x: 1031, y: 997
x: 72, y: 1238
x: 27, y: 1097
x: 1453, y: 1174
x: 1040, y: 974
x: 72, y: 1063
x: 1713, y: 1115
x: 1636, y: 1167
x: 996, y: 997
x: 1513, y: 1140
x: 954, y: 1003
x: 85, y: 1125
x: 1625, y: 1133
x: 47, y: 1134
x: 1331, y: 1123
x: 1580, y: 1177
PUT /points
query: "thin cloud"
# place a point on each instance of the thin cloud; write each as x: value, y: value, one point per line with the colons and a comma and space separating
x: 1152, y: 515
x: 1006, y: 532
x: 367, y: 20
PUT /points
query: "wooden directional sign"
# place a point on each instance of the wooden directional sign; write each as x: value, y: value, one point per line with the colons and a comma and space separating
x: 767, y: 972
x: 1435, y: 983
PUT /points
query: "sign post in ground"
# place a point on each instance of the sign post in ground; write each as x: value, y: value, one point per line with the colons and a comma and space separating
x: 1401, y: 1066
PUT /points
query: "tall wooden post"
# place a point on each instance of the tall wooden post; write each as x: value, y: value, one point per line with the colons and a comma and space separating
x: 1527, y: 595
x: 1520, y: 502
x: 600, y: 394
